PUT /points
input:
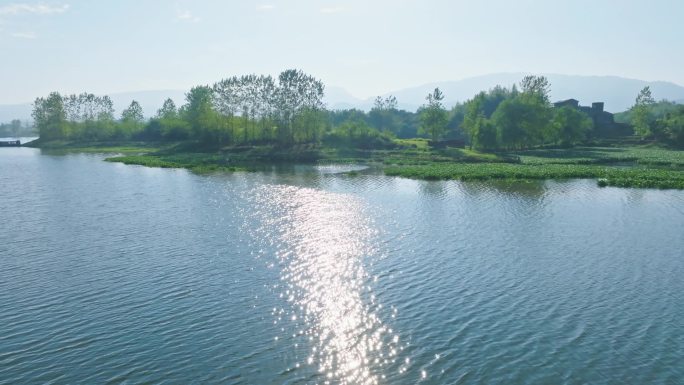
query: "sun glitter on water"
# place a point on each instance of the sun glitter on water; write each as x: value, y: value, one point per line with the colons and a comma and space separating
x: 322, y: 241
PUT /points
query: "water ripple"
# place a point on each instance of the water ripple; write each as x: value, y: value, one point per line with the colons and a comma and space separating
x: 324, y: 240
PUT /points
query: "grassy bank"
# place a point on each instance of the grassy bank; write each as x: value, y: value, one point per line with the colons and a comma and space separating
x: 629, y: 166
x: 126, y: 147
x: 607, y: 176
x: 640, y: 167
x: 197, y: 164
x: 645, y: 156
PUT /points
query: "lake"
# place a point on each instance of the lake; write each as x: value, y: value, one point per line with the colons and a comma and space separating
x: 115, y: 274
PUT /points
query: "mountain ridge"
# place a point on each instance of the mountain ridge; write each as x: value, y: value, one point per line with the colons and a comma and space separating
x: 618, y: 93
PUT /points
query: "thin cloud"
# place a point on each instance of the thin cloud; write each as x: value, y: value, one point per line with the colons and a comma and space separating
x: 187, y: 16
x: 266, y: 7
x: 331, y: 10
x: 24, y: 35
x: 37, y: 9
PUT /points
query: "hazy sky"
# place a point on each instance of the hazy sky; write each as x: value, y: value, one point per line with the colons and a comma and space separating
x: 368, y: 47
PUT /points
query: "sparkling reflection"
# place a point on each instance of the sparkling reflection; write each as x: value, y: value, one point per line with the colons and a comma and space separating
x: 322, y: 240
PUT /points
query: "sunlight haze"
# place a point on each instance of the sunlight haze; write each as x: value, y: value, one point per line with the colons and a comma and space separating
x: 368, y: 48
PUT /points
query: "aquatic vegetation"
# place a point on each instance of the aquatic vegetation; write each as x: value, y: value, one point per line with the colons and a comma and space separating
x: 639, y: 167
x: 197, y: 163
x: 608, y: 176
x: 124, y: 147
x: 654, y: 156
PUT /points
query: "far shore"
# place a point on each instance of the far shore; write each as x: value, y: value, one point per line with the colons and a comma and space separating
x: 611, y: 164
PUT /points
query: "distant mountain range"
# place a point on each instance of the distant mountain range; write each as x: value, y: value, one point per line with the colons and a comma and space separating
x: 617, y: 93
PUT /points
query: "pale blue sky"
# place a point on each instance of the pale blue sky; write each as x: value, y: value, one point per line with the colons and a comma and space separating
x: 368, y: 47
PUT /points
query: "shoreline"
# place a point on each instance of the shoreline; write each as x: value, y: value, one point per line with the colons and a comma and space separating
x: 618, y: 166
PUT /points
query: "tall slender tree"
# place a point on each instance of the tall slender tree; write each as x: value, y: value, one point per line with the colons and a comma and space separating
x: 433, y: 116
x: 642, y: 115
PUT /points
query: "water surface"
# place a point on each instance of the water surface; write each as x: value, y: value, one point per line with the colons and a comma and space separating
x: 125, y: 274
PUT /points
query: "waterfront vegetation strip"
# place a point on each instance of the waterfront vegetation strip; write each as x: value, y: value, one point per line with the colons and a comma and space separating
x: 607, y: 176
x: 118, y: 147
x: 640, y: 167
x: 648, y: 156
x: 198, y: 164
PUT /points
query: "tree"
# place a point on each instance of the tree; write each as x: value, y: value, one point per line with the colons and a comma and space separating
x: 168, y: 110
x: 474, y: 110
x: 167, y: 124
x: 570, y: 125
x: 483, y: 106
x: 49, y: 116
x: 433, y: 116
x: 132, y: 120
x: 672, y: 126
x: 536, y: 85
x: 522, y: 121
x: 382, y: 115
x: 641, y: 112
x: 484, y: 134
x: 357, y: 133
x: 200, y: 115
x: 509, y: 121
x: 134, y: 113
x: 456, y: 117
x: 296, y: 91
x: 388, y: 103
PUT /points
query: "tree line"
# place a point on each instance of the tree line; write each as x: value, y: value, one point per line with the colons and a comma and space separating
x: 244, y: 109
x: 249, y: 109
x: 662, y: 121
x: 289, y: 110
x: 16, y: 128
x: 518, y: 118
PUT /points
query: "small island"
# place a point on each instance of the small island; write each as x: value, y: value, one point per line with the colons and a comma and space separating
x: 509, y: 133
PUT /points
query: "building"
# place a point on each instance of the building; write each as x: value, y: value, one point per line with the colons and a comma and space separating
x: 604, y: 121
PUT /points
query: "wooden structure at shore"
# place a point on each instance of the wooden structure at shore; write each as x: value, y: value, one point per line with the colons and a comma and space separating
x: 10, y: 143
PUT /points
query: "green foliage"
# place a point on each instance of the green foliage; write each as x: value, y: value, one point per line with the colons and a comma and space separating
x: 246, y: 109
x: 98, y: 147
x: 658, y: 110
x: 433, y: 116
x: 296, y: 92
x: 456, y: 116
x: 641, y: 113
x: 644, y: 156
x: 197, y: 162
x: 288, y: 110
x: 168, y: 110
x: 478, y: 110
x: 200, y: 114
x: 509, y: 120
x: 133, y: 113
x: 537, y: 86
x: 485, y: 135
x: 383, y: 114
x: 643, y: 178
x: 512, y: 119
x: 570, y: 126
x: 132, y: 121
x: 50, y: 117
x: 652, y: 167
x: 671, y: 127
x: 357, y: 133
x: 522, y: 121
